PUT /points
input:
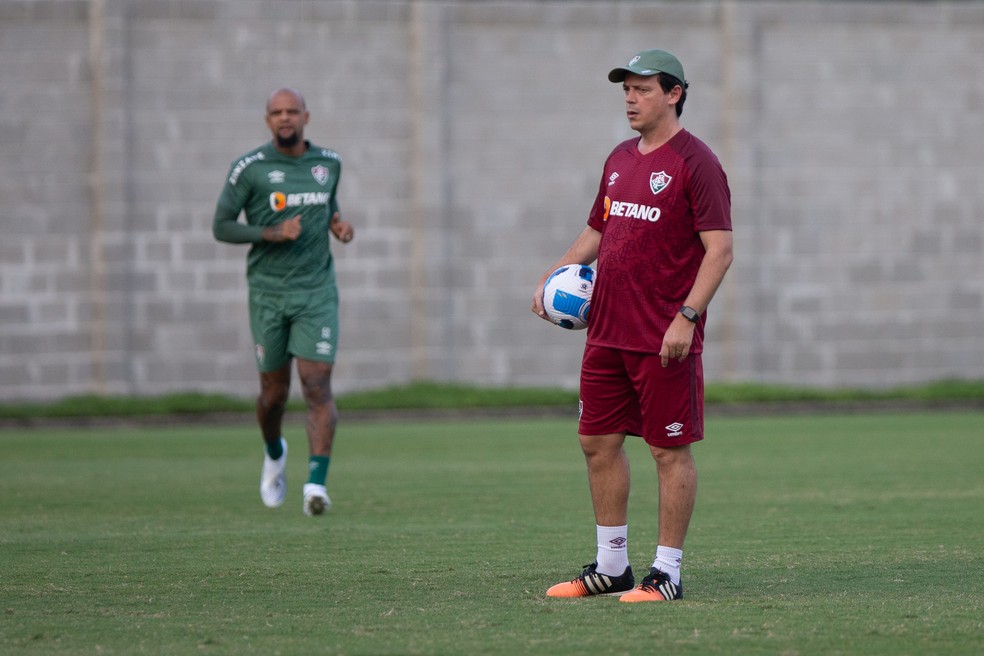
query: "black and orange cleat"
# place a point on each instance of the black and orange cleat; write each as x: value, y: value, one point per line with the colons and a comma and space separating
x: 591, y: 583
x: 655, y: 587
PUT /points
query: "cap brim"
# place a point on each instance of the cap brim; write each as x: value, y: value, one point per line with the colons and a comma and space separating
x: 618, y: 74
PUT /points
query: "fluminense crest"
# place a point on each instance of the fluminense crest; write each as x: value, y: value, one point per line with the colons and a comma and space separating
x: 320, y: 174
x: 659, y: 181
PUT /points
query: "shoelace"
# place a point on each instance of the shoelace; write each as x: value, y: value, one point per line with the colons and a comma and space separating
x: 652, y: 582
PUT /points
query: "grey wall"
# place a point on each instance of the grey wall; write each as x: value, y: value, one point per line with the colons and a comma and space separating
x: 472, y: 136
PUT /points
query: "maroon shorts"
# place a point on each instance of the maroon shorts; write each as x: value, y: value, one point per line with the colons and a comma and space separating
x: 630, y: 392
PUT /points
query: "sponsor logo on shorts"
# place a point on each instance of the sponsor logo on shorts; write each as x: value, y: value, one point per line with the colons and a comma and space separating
x: 580, y: 408
x: 323, y: 348
x: 260, y: 353
x: 674, y: 430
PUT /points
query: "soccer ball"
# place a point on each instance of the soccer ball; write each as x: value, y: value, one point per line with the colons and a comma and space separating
x: 567, y: 295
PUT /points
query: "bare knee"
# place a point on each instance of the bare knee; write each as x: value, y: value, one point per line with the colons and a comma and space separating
x: 274, y: 390
x: 672, y: 457
x: 316, y: 383
x: 602, y: 449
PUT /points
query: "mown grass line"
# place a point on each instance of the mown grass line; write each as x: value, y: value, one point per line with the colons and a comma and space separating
x: 431, y: 396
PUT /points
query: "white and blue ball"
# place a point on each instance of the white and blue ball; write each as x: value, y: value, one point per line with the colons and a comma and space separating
x: 567, y: 295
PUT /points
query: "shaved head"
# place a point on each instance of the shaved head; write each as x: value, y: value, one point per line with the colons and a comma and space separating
x: 287, y: 91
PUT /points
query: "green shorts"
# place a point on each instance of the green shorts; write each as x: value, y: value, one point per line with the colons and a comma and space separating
x: 302, y: 324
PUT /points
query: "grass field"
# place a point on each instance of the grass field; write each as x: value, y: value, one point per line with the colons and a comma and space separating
x: 826, y: 534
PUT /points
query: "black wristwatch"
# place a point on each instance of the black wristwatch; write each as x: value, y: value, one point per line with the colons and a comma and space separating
x: 689, y: 314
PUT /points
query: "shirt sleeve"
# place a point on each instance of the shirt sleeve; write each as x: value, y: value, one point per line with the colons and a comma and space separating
x: 226, y: 227
x: 711, y: 197
x: 225, y: 224
x: 333, y: 203
x: 599, y: 209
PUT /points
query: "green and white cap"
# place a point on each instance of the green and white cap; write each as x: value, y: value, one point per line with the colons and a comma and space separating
x: 649, y: 62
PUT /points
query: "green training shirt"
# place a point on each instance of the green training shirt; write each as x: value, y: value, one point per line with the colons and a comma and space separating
x: 270, y: 187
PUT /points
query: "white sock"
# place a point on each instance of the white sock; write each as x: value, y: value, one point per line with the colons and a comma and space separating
x: 613, y: 556
x: 668, y: 561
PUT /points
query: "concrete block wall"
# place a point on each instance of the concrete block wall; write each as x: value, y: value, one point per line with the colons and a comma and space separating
x: 472, y: 136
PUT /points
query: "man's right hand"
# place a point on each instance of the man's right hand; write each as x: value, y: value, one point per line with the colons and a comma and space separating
x: 288, y: 230
x: 537, y: 305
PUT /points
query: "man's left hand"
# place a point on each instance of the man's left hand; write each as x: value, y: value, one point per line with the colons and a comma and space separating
x: 677, y: 340
x: 343, y: 230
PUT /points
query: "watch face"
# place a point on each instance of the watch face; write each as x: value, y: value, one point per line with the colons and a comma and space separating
x: 689, y: 313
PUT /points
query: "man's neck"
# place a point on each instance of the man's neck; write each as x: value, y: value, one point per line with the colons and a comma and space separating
x: 296, y: 150
x: 658, y: 136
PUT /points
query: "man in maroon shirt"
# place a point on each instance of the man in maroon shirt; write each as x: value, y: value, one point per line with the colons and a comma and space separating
x: 660, y: 230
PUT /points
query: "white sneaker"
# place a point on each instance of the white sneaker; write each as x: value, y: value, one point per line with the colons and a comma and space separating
x: 316, y: 501
x: 273, y: 479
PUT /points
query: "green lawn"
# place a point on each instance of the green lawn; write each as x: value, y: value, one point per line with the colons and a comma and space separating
x: 826, y: 534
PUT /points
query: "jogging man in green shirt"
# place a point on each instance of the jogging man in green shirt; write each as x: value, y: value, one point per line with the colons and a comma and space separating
x: 286, y: 188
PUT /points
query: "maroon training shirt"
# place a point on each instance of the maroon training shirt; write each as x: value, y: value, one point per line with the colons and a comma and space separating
x: 650, y: 209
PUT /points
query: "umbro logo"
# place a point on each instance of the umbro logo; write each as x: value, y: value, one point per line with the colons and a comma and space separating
x: 618, y: 543
x: 674, y: 429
